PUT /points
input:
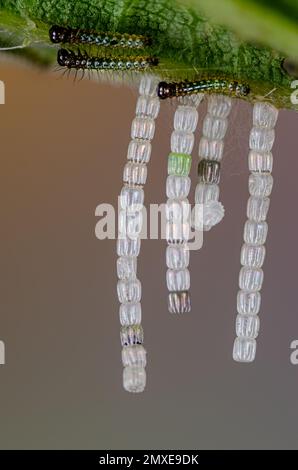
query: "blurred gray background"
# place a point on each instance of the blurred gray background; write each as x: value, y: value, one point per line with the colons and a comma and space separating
x: 63, y: 148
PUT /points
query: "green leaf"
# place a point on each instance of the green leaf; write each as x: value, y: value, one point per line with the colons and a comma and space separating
x: 188, y: 45
x: 268, y: 22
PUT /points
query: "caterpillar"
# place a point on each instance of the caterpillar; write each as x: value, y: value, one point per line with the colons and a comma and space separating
x: 175, y: 89
x: 84, y: 61
x: 61, y: 35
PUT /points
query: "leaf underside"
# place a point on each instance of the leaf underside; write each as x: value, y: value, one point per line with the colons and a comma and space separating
x: 189, y: 46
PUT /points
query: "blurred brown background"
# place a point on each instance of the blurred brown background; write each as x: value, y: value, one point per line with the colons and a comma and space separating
x: 63, y: 148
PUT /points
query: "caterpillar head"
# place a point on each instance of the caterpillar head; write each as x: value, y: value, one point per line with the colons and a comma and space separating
x: 165, y: 90
x: 58, y: 34
x: 64, y: 58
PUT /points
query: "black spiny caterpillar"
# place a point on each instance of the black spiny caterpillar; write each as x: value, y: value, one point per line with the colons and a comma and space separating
x: 62, y: 35
x: 83, y: 61
x: 175, y: 89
